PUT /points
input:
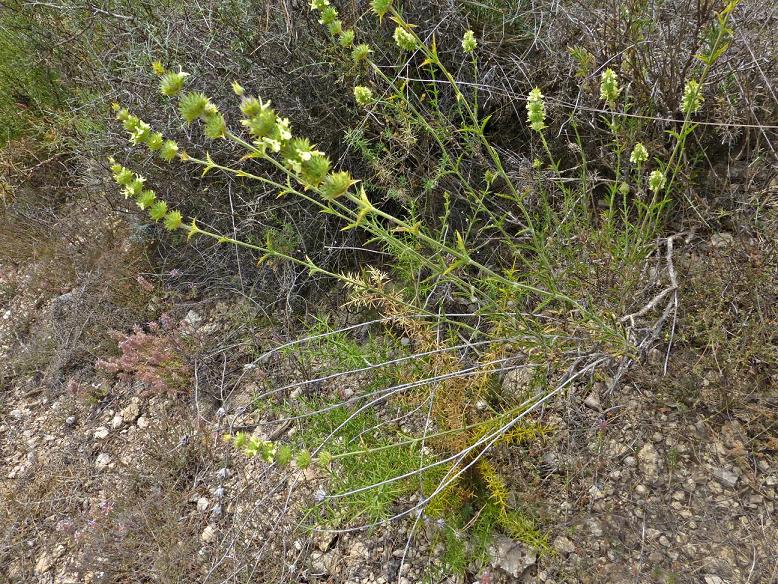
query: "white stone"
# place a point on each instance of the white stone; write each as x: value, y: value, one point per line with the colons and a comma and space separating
x: 101, y: 433
x: 209, y: 534
x: 102, y: 461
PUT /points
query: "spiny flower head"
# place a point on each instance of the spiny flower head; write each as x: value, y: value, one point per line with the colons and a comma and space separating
x: 215, y: 126
x: 536, y: 110
x: 468, y: 42
x: 404, y: 39
x: 296, y: 151
x: 639, y: 154
x: 135, y: 187
x: 609, y: 86
x: 155, y: 141
x: 158, y: 210
x: 173, y: 220
x: 361, y: 52
x: 363, y: 95
x: 328, y: 15
x: 303, y: 459
x: 315, y: 169
x: 251, y: 106
x: 335, y: 27
x: 131, y: 122
x: 146, y: 199
x: 324, y: 459
x: 261, y: 120
x: 172, y: 83
x: 319, y: 4
x: 336, y: 184
x: 193, y: 105
x: 692, y: 99
x: 346, y: 38
x: 141, y: 133
x: 284, y: 455
x: 168, y: 151
x: 656, y: 181
x: 121, y: 113
x: 123, y: 176
x: 380, y: 7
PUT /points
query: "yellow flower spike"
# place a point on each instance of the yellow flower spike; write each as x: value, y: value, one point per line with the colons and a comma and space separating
x: 158, y: 68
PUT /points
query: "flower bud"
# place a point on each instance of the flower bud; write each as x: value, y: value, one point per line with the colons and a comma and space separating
x: 237, y: 89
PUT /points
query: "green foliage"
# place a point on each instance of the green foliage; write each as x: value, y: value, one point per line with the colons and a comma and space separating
x: 28, y: 88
